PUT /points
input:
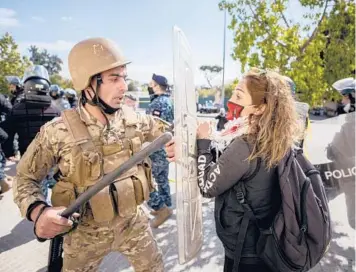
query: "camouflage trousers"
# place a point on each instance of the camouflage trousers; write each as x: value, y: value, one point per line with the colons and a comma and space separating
x: 162, y: 196
x: 2, y: 165
x: 90, y: 242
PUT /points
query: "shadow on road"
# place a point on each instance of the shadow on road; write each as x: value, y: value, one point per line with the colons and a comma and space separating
x: 21, y: 234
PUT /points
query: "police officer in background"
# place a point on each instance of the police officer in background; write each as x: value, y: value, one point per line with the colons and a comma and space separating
x: 5, y: 182
x: 58, y: 97
x: 30, y: 113
x: 33, y: 110
x: 72, y: 97
x: 161, y: 107
x: 15, y: 88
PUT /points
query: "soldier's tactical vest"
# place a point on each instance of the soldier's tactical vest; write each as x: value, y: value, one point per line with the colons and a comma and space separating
x: 92, y: 160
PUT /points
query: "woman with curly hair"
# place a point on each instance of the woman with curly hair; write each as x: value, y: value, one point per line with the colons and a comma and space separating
x: 263, y: 134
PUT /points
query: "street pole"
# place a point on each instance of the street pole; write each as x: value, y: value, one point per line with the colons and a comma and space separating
x: 223, y: 75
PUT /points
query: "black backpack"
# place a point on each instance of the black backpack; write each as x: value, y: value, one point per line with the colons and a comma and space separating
x: 300, y: 232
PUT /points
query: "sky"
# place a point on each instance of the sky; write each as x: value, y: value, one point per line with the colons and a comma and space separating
x: 141, y: 28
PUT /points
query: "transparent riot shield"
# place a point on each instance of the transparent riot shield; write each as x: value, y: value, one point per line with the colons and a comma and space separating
x: 330, y: 146
x: 189, y: 208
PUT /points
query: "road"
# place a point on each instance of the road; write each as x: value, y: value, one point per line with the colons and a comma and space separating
x: 20, y: 251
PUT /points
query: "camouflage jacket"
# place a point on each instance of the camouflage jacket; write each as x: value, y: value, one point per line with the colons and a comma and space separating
x: 53, y: 144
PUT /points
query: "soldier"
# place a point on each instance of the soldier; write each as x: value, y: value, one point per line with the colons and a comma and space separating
x: 87, y: 143
x: 161, y: 107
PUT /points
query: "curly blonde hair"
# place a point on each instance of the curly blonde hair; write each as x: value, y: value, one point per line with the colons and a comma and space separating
x: 276, y: 130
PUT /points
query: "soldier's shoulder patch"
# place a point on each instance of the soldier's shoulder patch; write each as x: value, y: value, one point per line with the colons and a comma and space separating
x: 156, y: 113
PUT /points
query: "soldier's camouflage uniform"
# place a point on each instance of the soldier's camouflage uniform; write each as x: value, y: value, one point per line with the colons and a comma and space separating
x: 86, y: 246
x: 161, y: 106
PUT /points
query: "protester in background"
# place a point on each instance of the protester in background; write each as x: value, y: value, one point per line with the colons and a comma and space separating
x: 222, y: 120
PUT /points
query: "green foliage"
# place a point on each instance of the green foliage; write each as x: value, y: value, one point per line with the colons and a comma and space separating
x: 206, y: 92
x: 51, y: 62
x: 229, y: 88
x: 11, y: 62
x: 133, y: 86
x: 60, y: 81
x: 314, y: 55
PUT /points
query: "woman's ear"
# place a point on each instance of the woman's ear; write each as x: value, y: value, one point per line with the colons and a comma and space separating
x: 260, y: 109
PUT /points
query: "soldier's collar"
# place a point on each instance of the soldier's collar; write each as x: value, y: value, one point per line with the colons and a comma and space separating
x: 89, y: 119
x: 86, y: 117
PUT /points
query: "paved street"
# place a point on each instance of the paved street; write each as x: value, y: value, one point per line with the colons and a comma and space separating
x: 20, y: 252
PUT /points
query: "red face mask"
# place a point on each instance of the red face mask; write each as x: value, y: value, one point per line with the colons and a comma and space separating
x: 234, y: 111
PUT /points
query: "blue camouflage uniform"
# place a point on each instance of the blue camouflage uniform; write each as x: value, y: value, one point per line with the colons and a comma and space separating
x: 161, y: 107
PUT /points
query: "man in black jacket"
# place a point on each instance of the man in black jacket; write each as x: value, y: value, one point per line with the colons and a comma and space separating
x: 5, y: 108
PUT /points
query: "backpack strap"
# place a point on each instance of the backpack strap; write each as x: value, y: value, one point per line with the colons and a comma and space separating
x: 248, y: 214
x: 77, y: 129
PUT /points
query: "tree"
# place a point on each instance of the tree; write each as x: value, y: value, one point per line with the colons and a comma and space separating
x: 210, y: 72
x: 51, y: 62
x: 133, y: 86
x: 229, y: 88
x: 60, y: 81
x: 266, y: 38
x: 11, y: 62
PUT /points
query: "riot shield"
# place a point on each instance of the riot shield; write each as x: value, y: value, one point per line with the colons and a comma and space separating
x: 188, y: 202
x: 330, y: 146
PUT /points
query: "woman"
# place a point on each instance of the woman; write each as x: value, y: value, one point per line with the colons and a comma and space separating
x: 266, y: 129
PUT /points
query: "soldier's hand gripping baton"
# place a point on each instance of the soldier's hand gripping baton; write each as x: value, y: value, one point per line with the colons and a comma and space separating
x: 55, y: 260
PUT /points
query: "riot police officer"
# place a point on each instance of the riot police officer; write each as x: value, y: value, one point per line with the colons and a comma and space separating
x: 30, y: 113
x: 5, y: 182
x: 161, y: 107
x: 15, y: 88
x: 58, y: 97
x: 72, y: 97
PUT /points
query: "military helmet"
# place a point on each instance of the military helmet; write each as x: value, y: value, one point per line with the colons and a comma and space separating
x: 91, y: 57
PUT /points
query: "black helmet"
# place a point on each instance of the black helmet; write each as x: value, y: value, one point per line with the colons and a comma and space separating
x: 36, y: 79
x: 55, y: 91
x: 13, y: 80
x: 36, y: 85
x: 70, y: 93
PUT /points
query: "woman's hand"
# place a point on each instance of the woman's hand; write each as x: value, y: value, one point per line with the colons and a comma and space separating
x: 203, y: 130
